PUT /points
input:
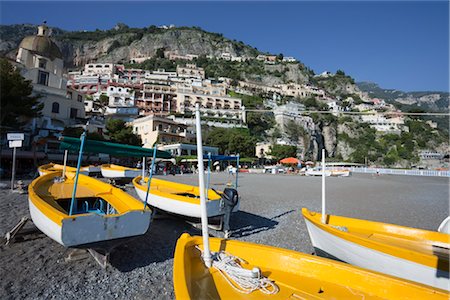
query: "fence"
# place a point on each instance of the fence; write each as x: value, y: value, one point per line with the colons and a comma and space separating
x: 401, y: 172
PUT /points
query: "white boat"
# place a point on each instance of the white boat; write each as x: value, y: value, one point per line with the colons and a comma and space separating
x: 101, y: 212
x: 340, y: 173
x: 51, y: 167
x: 317, y: 172
x: 118, y: 172
x: 178, y: 198
x: 91, y: 169
x: 413, y: 254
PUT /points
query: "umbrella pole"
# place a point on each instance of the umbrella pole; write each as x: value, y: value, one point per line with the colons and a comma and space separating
x: 201, y: 178
x: 150, y: 176
x: 324, y: 217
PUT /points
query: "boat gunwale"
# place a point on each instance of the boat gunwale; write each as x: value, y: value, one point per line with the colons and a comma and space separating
x: 137, y: 184
x: 181, y: 268
x: 57, y: 216
x: 419, y: 257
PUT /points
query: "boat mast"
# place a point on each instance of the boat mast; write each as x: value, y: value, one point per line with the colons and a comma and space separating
x: 65, y: 163
x: 201, y: 178
x: 150, y: 176
x: 143, y: 168
x: 324, y: 217
x: 209, y: 174
x: 237, y: 171
x: 73, y: 203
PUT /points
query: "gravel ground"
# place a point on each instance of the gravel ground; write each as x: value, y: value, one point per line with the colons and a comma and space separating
x: 270, y: 214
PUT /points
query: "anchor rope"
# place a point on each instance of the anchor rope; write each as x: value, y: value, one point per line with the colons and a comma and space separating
x: 242, y: 280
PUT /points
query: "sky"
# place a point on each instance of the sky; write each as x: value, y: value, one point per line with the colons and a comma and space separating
x: 401, y: 45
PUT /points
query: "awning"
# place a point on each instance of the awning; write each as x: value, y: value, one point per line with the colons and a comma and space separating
x: 221, y: 157
x: 114, y: 149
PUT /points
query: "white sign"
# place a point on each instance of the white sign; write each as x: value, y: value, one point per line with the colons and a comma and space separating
x: 15, y: 144
x: 15, y: 136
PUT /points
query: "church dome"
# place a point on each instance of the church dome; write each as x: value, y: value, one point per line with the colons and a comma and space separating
x: 41, y: 44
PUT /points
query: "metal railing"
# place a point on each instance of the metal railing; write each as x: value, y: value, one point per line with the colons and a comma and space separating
x: 400, y: 172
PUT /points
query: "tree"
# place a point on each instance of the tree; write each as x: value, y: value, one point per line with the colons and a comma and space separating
x: 258, y: 123
x: 232, y: 140
x: 17, y: 103
x: 282, y: 151
x: 294, y: 131
x: 77, y: 131
x: 160, y: 53
x: 119, y: 132
x: 104, y: 100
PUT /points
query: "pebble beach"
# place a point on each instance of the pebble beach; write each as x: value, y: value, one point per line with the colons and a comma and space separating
x: 270, y: 213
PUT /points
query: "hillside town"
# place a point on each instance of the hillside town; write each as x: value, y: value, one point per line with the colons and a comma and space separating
x: 255, y: 150
x: 159, y: 104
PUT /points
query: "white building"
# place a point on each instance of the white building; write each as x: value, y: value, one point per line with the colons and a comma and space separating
x: 40, y: 61
x: 292, y: 112
x: 289, y: 59
x: 188, y: 149
x: 382, y: 124
x: 154, y: 129
x: 190, y: 71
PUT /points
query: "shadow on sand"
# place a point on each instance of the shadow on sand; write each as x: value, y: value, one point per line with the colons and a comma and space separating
x: 245, y: 224
x: 157, y: 245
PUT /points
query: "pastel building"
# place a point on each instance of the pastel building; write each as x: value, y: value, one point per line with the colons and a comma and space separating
x: 153, y: 129
x: 40, y: 61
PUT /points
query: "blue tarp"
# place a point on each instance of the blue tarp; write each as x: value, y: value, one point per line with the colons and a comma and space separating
x: 221, y: 157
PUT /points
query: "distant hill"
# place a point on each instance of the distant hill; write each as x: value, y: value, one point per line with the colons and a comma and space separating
x: 426, y: 100
x: 122, y: 43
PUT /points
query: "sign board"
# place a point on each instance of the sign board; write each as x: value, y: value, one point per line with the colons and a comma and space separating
x: 15, y: 136
x: 15, y: 144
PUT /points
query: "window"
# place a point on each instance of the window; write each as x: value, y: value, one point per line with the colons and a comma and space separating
x: 43, y: 78
x: 73, y: 113
x: 42, y: 63
x: 80, y: 98
x: 55, y: 107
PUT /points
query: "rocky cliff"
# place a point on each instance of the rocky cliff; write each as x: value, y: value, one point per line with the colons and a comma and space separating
x: 433, y: 101
x: 122, y: 43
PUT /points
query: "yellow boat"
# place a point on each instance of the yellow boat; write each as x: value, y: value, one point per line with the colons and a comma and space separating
x: 410, y: 253
x: 178, y: 198
x: 51, y: 167
x: 101, y: 212
x: 116, y: 171
x: 294, y: 274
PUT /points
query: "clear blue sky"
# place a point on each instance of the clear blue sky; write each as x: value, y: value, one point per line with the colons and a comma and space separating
x: 402, y: 45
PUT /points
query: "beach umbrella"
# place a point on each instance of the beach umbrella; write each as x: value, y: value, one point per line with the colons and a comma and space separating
x: 289, y: 160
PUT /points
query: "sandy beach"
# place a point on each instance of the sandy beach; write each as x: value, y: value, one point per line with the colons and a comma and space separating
x: 270, y: 213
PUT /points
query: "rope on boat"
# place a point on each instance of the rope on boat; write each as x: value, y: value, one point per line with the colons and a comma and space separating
x: 242, y: 280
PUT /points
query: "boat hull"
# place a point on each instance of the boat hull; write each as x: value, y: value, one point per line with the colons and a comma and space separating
x: 317, y: 173
x: 189, y: 208
x: 332, y: 246
x: 115, y: 173
x: 49, y: 168
x: 85, y: 228
x: 297, y: 275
